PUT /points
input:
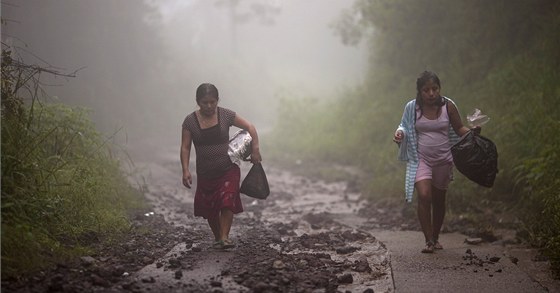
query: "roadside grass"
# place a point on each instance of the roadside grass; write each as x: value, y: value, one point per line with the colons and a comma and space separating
x: 63, y: 189
x: 63, y: 184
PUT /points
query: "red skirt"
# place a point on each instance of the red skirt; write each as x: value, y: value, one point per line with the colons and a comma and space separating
x: 213, y: 195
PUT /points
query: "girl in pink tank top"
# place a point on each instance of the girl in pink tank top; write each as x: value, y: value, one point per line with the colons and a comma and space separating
x: 433, y: 139
x: 432, y: 170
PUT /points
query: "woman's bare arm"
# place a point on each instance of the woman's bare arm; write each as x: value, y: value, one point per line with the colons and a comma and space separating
x: 455, y: 119
x: 186, y: 142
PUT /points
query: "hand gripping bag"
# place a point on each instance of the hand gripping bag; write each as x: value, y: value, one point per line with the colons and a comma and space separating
x: 476, y: 157
x: 255, y: 183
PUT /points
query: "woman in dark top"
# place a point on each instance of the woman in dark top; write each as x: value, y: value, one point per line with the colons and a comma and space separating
x: 217, y: 192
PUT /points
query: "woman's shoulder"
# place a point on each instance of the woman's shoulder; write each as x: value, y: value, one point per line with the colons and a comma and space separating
x: 449, y: 100
x: 227, y: 113
x: 227, y: 116
x: 191, y: 116
x: 226, y: 110
x: 190, y: 119
x: 450, y: 104
x: 411, y: 104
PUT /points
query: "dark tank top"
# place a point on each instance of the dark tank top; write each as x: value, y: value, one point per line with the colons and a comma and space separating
x: 211, y: 144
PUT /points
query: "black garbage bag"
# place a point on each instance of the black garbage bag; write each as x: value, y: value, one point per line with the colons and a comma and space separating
x: 255, y: 183
x: 476, y: 157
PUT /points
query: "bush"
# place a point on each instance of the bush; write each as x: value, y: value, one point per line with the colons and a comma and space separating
x: 62, y: 185
x: 540, y: 177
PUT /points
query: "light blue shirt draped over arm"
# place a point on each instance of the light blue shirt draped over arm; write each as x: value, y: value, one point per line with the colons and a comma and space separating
x: 408, y: 148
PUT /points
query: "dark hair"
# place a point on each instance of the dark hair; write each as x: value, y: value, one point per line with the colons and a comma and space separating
x: 420, y: 82
x: 206, y: 89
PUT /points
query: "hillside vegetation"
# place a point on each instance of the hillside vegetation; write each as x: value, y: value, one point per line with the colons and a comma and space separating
x: 63, y: 185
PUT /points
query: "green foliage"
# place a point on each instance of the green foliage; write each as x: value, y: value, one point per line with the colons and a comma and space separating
x: 62, y: 186
x: 499, y: 56
x: 304, y: 128
x: 540, y: 177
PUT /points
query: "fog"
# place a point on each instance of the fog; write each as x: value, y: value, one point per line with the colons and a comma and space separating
x: 139, y: 63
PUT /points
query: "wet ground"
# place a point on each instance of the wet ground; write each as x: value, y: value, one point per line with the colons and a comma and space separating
x: 308, y: 236
x: 290, y: 242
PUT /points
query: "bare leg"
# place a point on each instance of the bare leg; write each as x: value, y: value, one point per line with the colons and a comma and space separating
x: 424, y: 189
x: 438, y: 204
x: 226, y: 219
x: 214, y: 224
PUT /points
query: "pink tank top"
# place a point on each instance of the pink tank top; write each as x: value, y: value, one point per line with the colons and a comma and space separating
x: 433, y: 138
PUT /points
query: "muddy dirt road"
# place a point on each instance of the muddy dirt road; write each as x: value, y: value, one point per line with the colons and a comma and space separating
x: 312, y: 236
x: 308, y: 236
x: 291, y: 242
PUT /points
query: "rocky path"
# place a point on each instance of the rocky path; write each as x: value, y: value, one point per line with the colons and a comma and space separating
x: 292, y: 242
x: 308, y: 236
x: 312, y: 236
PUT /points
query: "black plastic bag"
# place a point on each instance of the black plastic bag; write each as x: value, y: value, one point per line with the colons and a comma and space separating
x: 476, y: 157
x: 255, y: 183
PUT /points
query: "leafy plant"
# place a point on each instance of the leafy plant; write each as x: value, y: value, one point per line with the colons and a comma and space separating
x: 63, y: 187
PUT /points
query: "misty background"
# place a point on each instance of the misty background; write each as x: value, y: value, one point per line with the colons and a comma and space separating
x: 138, y: 63
x: 282, y: 64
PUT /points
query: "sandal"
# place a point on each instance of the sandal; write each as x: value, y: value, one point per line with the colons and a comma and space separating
x: 227, y: 243
x: 437, y: 246
x: 218, y: 244
x: 429, y: 247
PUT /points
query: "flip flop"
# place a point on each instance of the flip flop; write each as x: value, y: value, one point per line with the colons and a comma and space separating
x: 227, y: 243
x: 218, y: 244
x: 437, y: 246
x: 429, y: 247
